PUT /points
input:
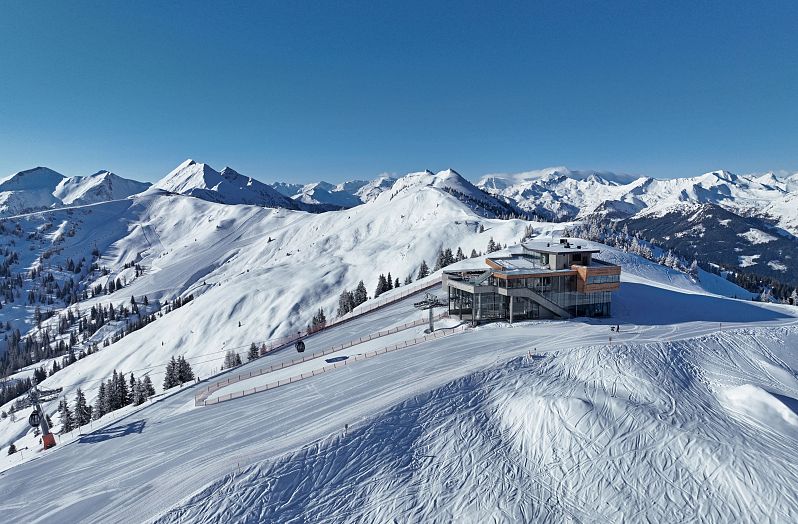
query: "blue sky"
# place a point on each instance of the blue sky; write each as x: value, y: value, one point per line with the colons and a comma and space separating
x: 304, y: 91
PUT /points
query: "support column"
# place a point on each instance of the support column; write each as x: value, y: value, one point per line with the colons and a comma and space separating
x: 473, y: 310
x: 511, y: 308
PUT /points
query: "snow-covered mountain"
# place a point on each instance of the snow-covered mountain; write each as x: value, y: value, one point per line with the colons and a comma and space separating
x: 537, y: 420
x: 560, y: 194
x: 452, y: 182
x: 339, y: 196
x: 42, y: 188
x: 226, y: 187
x: 99, y: 187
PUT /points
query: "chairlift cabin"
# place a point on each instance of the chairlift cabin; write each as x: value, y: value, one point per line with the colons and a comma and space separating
x: 300, y: 346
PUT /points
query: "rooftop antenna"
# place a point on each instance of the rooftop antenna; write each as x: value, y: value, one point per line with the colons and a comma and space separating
x: 430, y: 302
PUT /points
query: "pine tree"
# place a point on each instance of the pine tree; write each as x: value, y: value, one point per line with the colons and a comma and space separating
x: 131, y: 389
x: 408, y: 279
x: 100, y: 403
x: 345, y: 303
x: 82, y: 409
x: 149, y: 389
x: 170, y: 379
x: 474, y: 253
x: 319, y: 321
x: 139, y: 395
x: 184, y: 371
x: 439, y: 261
x: 253, y: 352
x: 66, y: 416
x: 360, y: 295
x: 492, y: 246
x: 231, y: 360
x: 423, y: 270
x: 396, y: 283
x: 382, y: 286
x: 238, y: 359
x: 123, y: 396
x: 389, y: 280
x: 459, y: 256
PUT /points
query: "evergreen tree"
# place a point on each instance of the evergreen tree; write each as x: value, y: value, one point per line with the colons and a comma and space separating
x: 123, y: 393
x: 184, y: 371
x: 99, y: 404
x: 238, y: 359
x: 66, y: 416
x: 382, y: 286
x: 231, y: 360
x: 408, y: 279
x: 492, y: 246
x: 318, y: 322
x: 389, y: 280
x: 459, y: 256
x: 396, y: 284
x: 82, y: 409
x: 474, y: 253
x: 423, y: 270
x: 346, y: 302
x: 448, y: 257
x: 149, y: 389
x: 170, y: 379
x: 131, y: 389
x: 253, y: 352
x: 360, y: 295
x: 139, y: 396
x: 439, y: 261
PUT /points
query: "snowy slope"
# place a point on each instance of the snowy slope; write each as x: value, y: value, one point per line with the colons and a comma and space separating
x: 561, y: 193
x: 344, y: 195
x: 99, y: 187
x: 28, y: 190
x: 452, y: 182
x: 226, y: 187
x: 267, y: 269
x: 463, y: 429
x: 42, y: 188
x: 258, y: 273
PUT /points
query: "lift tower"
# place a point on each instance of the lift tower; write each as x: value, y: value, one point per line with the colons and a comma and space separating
x: 430, y: 302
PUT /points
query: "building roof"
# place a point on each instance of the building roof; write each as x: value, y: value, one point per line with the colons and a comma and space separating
x: 573, y: 245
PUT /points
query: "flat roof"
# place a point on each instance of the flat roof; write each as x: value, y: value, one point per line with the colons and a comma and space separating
x: 573, y: 246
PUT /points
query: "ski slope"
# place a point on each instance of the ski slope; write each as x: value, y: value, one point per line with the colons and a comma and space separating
x: 468, y: 427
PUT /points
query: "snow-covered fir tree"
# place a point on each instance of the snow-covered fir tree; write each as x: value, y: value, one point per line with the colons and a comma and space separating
x: 252, y: 354
x: 423, y: 270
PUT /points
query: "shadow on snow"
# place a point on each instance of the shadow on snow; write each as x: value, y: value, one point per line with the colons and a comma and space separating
x: 121, y: 430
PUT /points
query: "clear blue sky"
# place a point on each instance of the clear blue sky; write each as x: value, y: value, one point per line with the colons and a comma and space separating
x: 335, y: 90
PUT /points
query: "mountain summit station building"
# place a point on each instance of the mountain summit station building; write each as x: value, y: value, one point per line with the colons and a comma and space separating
x: 534, y: 280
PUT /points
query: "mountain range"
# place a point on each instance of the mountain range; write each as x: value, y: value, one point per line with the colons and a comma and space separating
x: 752, y: 219
x: 205, y: 263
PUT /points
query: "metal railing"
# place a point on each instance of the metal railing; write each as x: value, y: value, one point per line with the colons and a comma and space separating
x: 315, y: 372
x: 366, y: 307
x: 203, y: 394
